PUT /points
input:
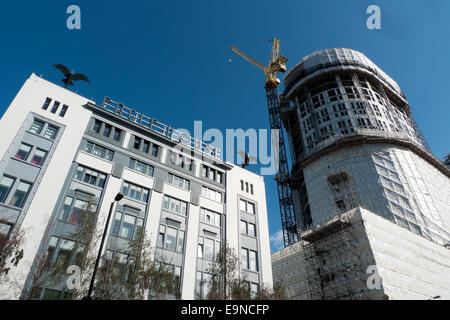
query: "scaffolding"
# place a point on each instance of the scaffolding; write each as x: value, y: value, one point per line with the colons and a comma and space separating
x: 334, y: 267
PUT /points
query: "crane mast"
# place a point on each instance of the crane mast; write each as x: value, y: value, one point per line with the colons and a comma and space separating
x: 276, y: 65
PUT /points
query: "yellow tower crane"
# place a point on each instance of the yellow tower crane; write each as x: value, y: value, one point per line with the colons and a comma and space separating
x: 277, y: 64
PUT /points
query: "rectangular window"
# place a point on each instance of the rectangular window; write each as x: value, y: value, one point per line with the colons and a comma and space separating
x: 209, y: 249
x: 64, y: 254
x: 97, y: 126
x: 50, y: 132
x: 178, y: 181
x: 63, y: 111
x: 38, y: 157
x: 180, y: 242
x: 20, y: 194
x: 23, y: 152
x: 99, y: 151
x: 5, y: 187
x: 141, y: 167
x: 107, y: 130
x: 211, y: 194
x: 117, y: 134
x: 244, y: 258
x: 66, y: 208
x: 171, y: 238
x: 247, y: 206
x: 55, y: 107
x: 37, y: 127
x: 46, y: 103
x: 253, y: 261
x: 137, y: 143
x: 127, y: 227
x: 162, y: 232
x: 175, y: 205
x: 181, y: 161
x: 251, y: 230
x: 116, y: 225
x: 243, y: 227
x: 135, y: 192
x: 90, y: 176
x: 155, y: 150
x: 146, y: 146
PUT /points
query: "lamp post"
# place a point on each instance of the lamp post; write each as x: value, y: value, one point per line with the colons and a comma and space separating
x: 118, y: 197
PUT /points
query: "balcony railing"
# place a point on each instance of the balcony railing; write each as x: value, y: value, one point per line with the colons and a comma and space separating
x: 160, y: 128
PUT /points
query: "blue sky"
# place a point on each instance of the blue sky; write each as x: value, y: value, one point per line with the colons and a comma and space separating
x: 170, y: 59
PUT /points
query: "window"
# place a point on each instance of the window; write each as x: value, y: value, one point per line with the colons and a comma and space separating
x: 146, y: 146
x: 209, y: 249
x: 5, y: 228
x: 254, y: 288
x: 242, y: 185
x: 38, y: 157
x: 99, y: 151
x: 210, y: 217
x: 20, y: 194
x: 247, y: 206
x: 140, y: 167
x: 211, y: 194
x: 200, y: 248
x: 5, y: 187
x: 181, y: 161
x: 253, y: 261
x: 251, y: 189
x: 75, y: 210
x: 248, y: 228
x: 175, y: 205
x: 107, y: 130
x: 171, y: 239
x: 55, y: 107
x: 23, y: 152
x: 249, y: 259
x: 64, y: 254
x: 63, y: 111
x: 135, y: 192
x: 342, y: 191
x: 97, y: 126
x: 117, y: 134
x: 37, y: 127
x: 155, y: 150
x: 46, y: 103
x: 137, y: 143
x: 251, y: 230
x: 50, y: 132
x: 127, y: 226
x: 244, y: 258
x: 178, y: 181
x: 90, y: 176
x: 212, y: 174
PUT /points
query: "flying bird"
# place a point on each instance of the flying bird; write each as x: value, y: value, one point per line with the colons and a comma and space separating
x: 70, y: 76
x: 247, y: 159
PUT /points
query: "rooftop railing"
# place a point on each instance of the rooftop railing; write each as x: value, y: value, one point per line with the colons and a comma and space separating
x: 160, y: 128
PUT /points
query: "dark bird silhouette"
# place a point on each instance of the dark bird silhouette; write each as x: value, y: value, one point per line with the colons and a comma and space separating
x: 70, y: 76
x: 246, y: 159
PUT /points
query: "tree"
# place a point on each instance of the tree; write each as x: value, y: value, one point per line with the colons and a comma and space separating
x: 226, y: 282
x: 10, y: 249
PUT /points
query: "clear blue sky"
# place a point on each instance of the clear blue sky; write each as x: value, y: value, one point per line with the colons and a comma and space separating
x: 170, y: 59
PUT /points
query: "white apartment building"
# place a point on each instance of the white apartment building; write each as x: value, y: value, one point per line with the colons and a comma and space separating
x: 61, y: 152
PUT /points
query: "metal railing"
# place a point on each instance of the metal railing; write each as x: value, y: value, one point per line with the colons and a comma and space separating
x: 160, y: 128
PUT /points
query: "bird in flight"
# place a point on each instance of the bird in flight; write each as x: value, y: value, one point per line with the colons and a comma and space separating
x: 70, y: 76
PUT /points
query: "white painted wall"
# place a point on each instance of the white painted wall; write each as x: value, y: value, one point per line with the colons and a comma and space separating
x: 30, y: 98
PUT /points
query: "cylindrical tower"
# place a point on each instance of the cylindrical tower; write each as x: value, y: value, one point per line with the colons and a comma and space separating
x: 354, y: 142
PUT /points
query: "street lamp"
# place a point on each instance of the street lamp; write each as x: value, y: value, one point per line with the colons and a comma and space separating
x: 118, y: 197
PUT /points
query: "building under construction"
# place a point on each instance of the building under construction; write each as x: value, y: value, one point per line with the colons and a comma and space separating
x: 372, y: 203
